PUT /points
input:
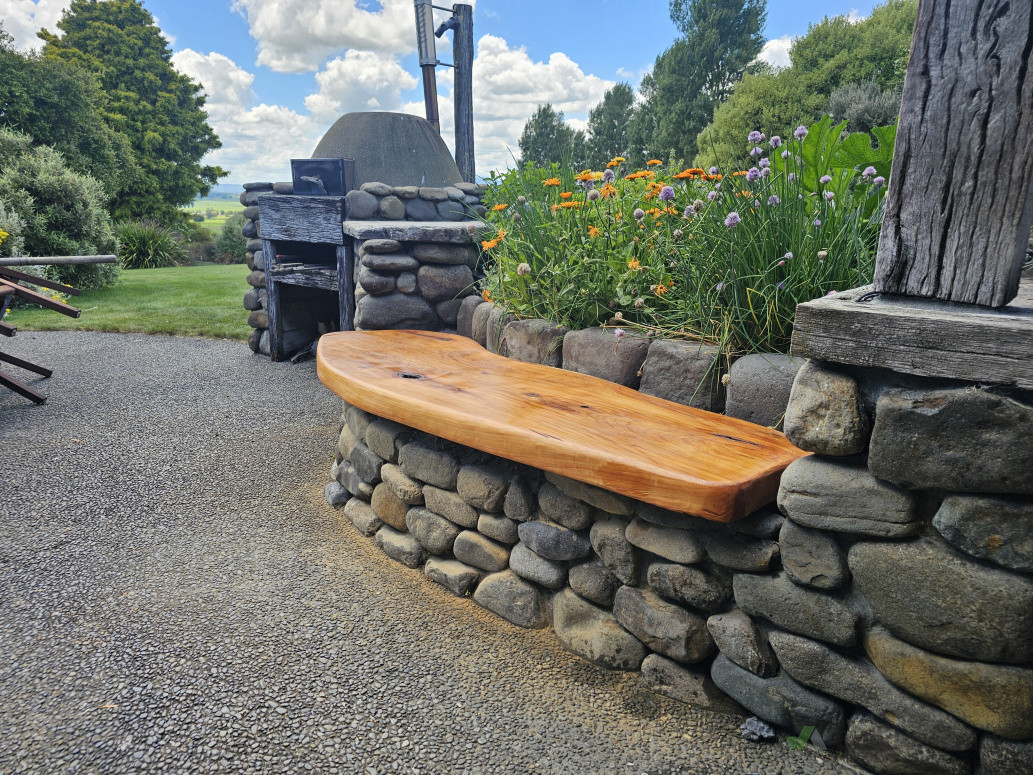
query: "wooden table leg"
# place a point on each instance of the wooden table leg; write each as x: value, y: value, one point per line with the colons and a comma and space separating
x: 4, y: 357
x: 22, y: 390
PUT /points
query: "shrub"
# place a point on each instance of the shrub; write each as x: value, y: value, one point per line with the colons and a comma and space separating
x: 864, y: 105
x: 231, y: 246
x: 148, y: 245
x: 718, y: 257
x: 11, y: 226
x: 62, y: 211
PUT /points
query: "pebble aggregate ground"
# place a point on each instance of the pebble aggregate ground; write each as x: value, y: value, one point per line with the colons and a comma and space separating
x: 176, y: 596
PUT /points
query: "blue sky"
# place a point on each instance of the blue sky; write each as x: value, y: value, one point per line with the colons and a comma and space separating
x: 279, y: 72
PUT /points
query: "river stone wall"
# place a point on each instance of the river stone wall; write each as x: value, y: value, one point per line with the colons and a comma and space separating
x: 381, y: 202
x: 890, y: 608
x: 411, y: 284
x: 754, y: 388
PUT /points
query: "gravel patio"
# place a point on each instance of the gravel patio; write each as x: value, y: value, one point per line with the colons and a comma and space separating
x: 176, y: 595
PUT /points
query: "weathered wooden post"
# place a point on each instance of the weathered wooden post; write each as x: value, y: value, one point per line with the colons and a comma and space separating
x: 958, y: 211
x: 462, y: 91
x: 960, y: 201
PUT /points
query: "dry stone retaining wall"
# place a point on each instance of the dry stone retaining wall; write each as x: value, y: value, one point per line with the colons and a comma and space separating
x: 889, y: 605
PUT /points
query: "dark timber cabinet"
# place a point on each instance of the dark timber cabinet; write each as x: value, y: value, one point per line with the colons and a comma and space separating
x: 308, y: 269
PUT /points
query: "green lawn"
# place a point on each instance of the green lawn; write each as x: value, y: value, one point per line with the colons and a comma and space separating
x: 218, y: 210
x: 186, y: 301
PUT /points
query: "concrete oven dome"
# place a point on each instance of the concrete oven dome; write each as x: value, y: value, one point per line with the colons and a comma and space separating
x: 393, y: 148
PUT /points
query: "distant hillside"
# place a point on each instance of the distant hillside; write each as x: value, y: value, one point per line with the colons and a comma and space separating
x: 221, y: 192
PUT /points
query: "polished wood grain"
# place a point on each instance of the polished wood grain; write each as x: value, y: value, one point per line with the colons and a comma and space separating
x: 666, y: 454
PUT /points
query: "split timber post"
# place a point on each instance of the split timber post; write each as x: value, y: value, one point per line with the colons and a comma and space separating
x: 958, y: 211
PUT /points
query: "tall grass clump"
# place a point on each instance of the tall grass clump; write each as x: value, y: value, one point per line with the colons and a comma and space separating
x: 717, y: 256
x: 148, y: 245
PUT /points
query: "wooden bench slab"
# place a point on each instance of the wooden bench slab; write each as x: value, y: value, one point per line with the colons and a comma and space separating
x: 581, y: 427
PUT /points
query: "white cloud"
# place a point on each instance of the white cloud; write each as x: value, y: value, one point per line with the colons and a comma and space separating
x: 23, y: 19
x: 776, y: 51
x: 509, y: 86
x: 855, y: 17
x: 361, y: 80
x: 298, y: 35
x: 258, y: 141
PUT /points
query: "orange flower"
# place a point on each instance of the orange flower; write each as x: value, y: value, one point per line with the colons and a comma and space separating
x: 653, y: 211
x: 654, y: 162
x: 492, y: 243
x: 607, y: 191
x: 634, y: 265
x: 566, y: 194
x: 584, y: 176
x: 593, y: 232
x: 738, y: 174
x: 610, y: 164
x: 500, y: 207
x: 551, y: 182
x: 661, y: 290
x: 686, y: 175
x: 485, y: 295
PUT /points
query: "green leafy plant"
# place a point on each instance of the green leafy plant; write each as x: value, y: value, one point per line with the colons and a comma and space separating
x: 148, y: 245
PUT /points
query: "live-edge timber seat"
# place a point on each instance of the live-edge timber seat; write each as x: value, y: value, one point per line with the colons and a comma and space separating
x: 571, y: 424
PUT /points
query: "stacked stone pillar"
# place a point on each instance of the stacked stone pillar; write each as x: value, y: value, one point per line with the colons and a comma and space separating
x: 904, y: 606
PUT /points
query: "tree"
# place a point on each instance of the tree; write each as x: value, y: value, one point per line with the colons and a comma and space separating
x: 547, y: 138
x: 696, y: 74
x: 608, y: 125
x: 834, y: 53
x: 59, y: 105
x: 160, y: 110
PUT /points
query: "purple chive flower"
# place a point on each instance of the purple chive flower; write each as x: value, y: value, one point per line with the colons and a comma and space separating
x: 800, y: 133
x: 766, y: 172
x: 826, y: 179
x: 689, y: 212
x: 775, y: 141
x: 639, y: 213
x: 782, y: 263
x: 879, y: 181
x: 788, y: 255
x: 717, y: 186
x: 732, y: 220
x: 831, y: 293
x: 666, y: 194
x: 713, y: 170
x: 828, y: 196
x: 754, y: 137
x: 719, y: 287
x: 792, y: 176
x: 868, y: 172
x: 773, y: 200
x: 618, y: 332
x: 817, y: 222
x: 781, y: 286
x: 712, y: 196
x: 756, y: 203
x: 765, y: 162
x: 608, y: 176
x: 752, y: 174
x: 785, y: 154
